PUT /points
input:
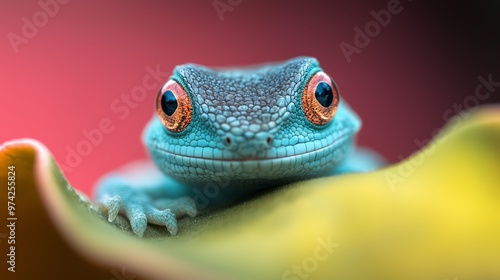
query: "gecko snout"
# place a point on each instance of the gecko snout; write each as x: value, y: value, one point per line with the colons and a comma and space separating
x: 249, y: 145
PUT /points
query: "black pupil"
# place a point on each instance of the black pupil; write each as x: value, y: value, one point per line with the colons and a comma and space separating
x: 168, y: 103
x: 324, y: 94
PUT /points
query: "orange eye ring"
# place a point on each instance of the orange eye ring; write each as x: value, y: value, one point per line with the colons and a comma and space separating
x: 320, y: 99
x: 173, y: 107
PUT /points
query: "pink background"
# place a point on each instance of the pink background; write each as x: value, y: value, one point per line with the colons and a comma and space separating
x: 65, y: 78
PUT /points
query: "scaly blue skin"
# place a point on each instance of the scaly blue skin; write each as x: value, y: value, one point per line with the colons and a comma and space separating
x: 248, y: 132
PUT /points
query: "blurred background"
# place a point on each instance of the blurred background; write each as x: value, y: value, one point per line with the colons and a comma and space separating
x: 68, y: 68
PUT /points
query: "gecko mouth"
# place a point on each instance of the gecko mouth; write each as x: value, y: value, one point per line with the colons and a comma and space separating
x: 316, y: 148
x: 310, y: 159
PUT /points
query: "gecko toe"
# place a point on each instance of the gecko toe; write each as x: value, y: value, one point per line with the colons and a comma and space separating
x: 165, y: 217
x: 171, y: 222
x: 138, y: 221
x: 113, y: 205
x: 180, y: 206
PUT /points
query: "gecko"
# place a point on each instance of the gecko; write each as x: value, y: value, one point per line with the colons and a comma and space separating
x: 234, y: 132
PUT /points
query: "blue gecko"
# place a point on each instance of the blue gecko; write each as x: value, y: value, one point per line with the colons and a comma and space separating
x: 240, y: 130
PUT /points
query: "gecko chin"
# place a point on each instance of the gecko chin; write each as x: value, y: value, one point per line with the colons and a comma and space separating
x: 284, y: 164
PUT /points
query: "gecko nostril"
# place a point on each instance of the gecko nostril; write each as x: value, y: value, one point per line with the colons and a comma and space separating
x: 228, y: 141
x: 269, y: 141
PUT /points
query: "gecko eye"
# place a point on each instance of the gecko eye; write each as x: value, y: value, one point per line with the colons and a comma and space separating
x: 320, y: 99
x: 173, y: 106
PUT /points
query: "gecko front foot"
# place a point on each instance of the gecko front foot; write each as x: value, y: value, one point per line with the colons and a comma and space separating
x: 140, y: 209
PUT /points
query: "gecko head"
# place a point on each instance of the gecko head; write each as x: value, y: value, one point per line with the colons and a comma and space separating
x: 273, y: 122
